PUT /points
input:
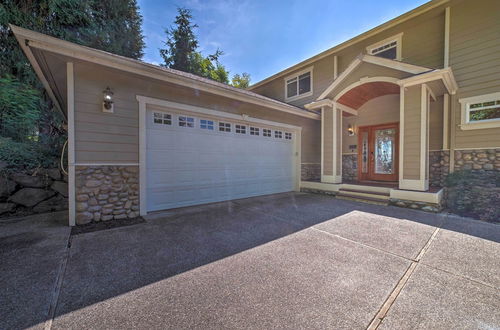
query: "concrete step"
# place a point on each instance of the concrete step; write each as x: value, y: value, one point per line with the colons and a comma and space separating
x: 365, y: 193
x: 365, y: 198
x: 367, y: 188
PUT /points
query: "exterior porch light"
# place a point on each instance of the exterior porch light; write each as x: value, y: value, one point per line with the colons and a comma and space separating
x: 107, y: 104
x: 350, y: 130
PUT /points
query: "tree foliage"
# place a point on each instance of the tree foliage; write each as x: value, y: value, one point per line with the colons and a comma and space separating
x: 241, y: 81
x: 181, y: 52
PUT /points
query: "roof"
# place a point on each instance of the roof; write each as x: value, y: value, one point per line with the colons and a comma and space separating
x: 30, y: 39
x: 404, y: 17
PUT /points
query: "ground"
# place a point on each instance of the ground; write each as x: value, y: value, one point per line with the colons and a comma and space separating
x: 290, y: 260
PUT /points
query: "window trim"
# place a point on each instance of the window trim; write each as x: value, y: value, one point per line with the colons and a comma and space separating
x: 163, y: 118
x: 256, y: 131
x: 242, y: 128
x: 224, y: 123
x: 465, y: 103
x: 398, y: 38
x: 296, y: 75
x: 186, y: 121
x: 267, y: 131
x: 214, y: 124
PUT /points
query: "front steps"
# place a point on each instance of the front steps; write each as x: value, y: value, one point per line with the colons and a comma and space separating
x: 366, y: 194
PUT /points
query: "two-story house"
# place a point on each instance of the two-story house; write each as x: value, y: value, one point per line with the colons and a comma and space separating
x: 384, y: 116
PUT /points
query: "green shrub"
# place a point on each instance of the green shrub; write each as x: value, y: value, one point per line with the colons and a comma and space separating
x: 25, y: 155
x: 474, y: 193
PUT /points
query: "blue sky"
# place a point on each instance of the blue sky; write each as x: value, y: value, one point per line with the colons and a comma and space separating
x: 263, y: 37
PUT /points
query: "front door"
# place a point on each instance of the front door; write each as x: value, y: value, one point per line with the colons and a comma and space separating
x: 378, y: 152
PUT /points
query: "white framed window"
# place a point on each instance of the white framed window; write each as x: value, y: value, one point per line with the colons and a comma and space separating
x: 266, y: 132
x: 254, y: 131
x: 278, y: 134
x: 162, y: 118
x: 240, y: 129
x: 185, y: 121
x: 299, y: 84
x: 389, y: 48
x: 288, y: 136
x: 224, y: 127
x: 480, y: 111
x: 207, y: 124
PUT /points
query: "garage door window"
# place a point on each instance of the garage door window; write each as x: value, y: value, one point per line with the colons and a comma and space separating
x: 278, y: 134
x: 224, y: 127
x: 266, y: 132
x: 241, y: 129
x: 288, y: 136
x: 207, y: 124
x: 162, y: 118
x: 254, y: 131
x: 186, y: 121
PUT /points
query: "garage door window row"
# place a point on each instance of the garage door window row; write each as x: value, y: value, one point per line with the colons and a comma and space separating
x: 205, y: 124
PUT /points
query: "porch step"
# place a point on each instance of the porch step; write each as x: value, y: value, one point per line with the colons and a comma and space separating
x: 366, y: 188
x: 360, y: 194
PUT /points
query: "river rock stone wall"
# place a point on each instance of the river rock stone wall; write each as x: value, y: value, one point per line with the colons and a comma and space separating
x: 106, y: 192
x: 349, y: 168
x: 37, y: 191
x: 439, y: 167
x: 477, y: 159
x: 310, y: 171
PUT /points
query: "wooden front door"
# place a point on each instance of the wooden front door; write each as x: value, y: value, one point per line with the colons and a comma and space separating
x: 378, y: 148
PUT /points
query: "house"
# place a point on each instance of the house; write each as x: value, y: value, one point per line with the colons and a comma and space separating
x: 383, y: 116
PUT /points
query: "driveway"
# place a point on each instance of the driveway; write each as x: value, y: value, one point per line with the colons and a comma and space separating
x: 290, y: 260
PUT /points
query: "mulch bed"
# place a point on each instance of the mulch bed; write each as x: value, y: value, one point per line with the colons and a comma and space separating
x: 103, y: 225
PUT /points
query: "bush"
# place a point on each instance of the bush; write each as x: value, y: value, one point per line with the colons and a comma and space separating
x: 474, y: 194
x: 25, y: 155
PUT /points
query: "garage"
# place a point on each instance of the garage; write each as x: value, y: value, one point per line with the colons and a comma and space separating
x: 199, y: 157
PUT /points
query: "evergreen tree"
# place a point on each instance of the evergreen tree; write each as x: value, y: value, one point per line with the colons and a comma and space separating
x: 241, y: 81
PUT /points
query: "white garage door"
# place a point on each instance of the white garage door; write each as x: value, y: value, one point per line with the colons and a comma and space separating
x: 195, y: 160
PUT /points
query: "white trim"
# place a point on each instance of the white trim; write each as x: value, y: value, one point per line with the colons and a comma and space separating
x: 410, y: 184
x: 363, y: 81
x: 322, y: 141
x: 424, y: 141
x: 70, y: 80
x: 465, y: 123
x: 105, y: 164
x: 446, y: 124
x: 144, y: 101
x: 398, y: 38
x: 446, y: 75
x: 319, y: 104
x: 482, y: 148
x: 328, y: 179
x: 296, y: 76
x: 334, y: 142
x: 354, y: 64
x: 320, y: 186
x: 417, y: 196
x: 447, y: 37
x: 347, y: 109
x: 401, y: 133
x: 383, y: 27
x: 66, y: 48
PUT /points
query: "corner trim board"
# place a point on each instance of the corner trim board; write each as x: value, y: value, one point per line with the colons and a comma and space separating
x: 70, y: 80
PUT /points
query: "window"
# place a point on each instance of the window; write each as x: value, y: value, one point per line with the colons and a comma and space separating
x: 288, y: 136
x: 241, y: 129
x: 207, y: 124
x: 278, y: 134
x: 162, y: 118
x: 186, y: 121
x: 254, y: 131
x: 389, y: 48
x: 481, y: 111
x: 266, y: 132
x: 299, y: 85
x: 224, y: 127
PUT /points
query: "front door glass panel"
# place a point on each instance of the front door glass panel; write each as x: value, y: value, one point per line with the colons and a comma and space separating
x: 384, y: 151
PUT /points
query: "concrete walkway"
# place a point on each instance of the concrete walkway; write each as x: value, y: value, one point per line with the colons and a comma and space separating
x: 282, y: 261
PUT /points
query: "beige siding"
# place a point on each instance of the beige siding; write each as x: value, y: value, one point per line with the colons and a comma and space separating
x: 436, y: 124
x: 475, y: 60
x: 102, y: 137
x: 328, y: 142
x: 338, y: 132
x: 422, y: 44
x: 381, y: 110
x: 411, y: 133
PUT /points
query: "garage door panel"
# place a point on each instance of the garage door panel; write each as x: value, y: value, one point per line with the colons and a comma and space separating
x: 188, y: 166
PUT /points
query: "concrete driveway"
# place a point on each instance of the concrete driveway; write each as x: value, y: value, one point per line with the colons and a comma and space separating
x: 283, y: 261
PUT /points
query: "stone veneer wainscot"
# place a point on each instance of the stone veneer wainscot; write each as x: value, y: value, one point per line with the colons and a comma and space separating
x: 106, y: 192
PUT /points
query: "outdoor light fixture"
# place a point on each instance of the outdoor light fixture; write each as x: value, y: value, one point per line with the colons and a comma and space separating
x: 107, y: 104
x: 350, y: 130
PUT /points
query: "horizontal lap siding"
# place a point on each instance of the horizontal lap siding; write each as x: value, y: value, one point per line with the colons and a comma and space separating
x: 106, y: 138
x: 411, y: 140
x: 328, y: 142
x: 475, y: 60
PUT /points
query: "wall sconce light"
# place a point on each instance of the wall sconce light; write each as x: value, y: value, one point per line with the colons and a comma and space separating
x: 350, y: 130
x: 107, y: 104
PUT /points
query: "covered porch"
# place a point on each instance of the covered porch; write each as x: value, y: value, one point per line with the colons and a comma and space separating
x: 381, y: 119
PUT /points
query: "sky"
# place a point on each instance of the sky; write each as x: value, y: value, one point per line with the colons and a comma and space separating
x: 263, y: 37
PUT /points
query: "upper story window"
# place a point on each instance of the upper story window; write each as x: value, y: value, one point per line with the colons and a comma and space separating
x: 299, y: 85
x: 481, y: 111
x: 389, y: 48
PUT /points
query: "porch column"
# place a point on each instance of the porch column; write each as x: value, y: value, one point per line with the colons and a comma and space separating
x: 331, y: 144
x: 414, y: 138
